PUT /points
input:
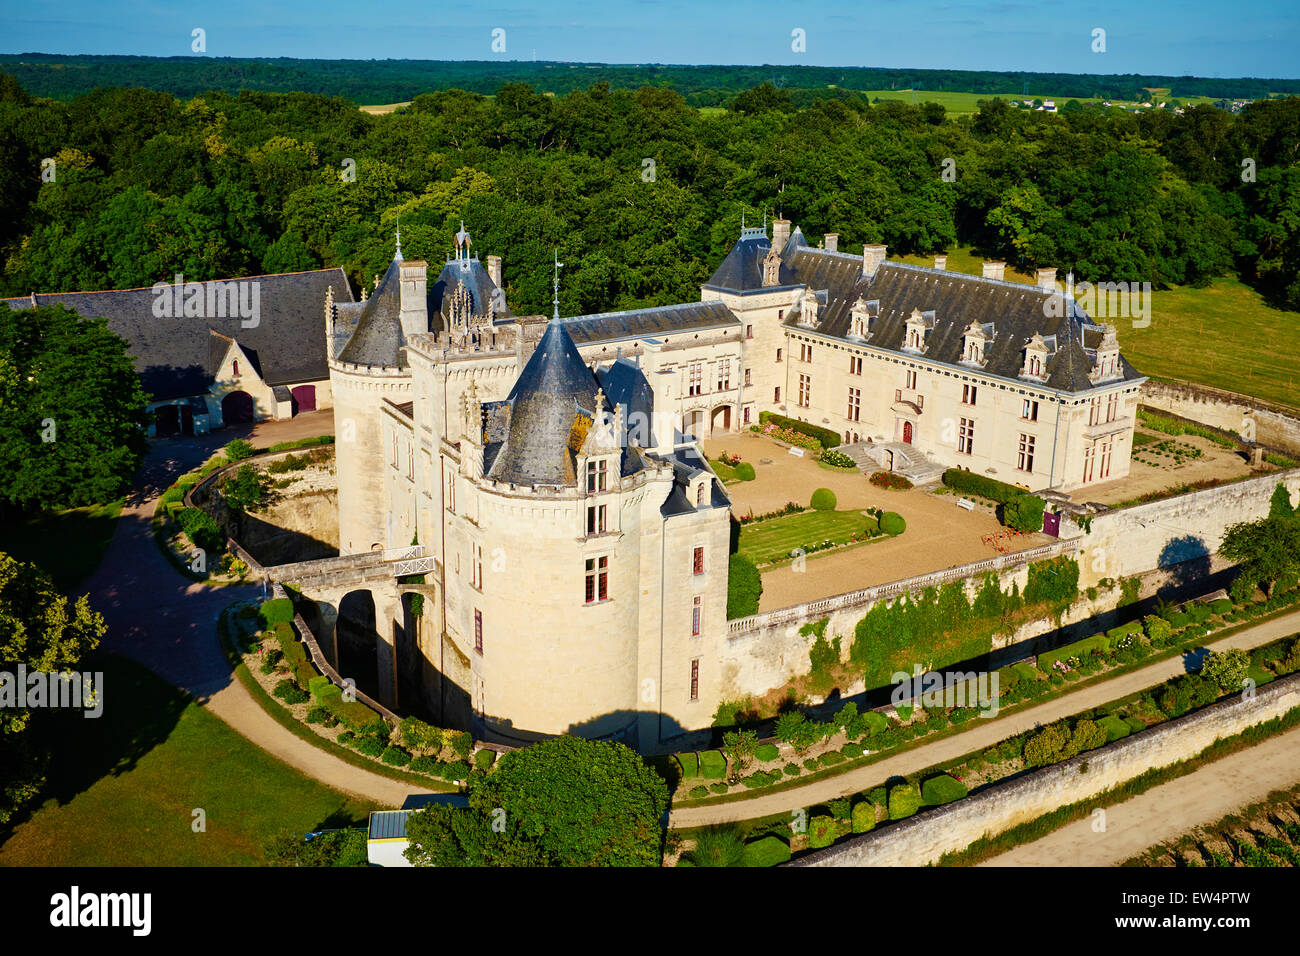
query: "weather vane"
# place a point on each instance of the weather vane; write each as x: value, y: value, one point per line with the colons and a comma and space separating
x: 556, y: 301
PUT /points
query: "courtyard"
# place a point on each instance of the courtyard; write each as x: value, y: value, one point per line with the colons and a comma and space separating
x: 939, y: 535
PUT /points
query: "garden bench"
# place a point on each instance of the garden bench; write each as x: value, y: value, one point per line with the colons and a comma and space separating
x: 966, y: 503
x: 798, y: 452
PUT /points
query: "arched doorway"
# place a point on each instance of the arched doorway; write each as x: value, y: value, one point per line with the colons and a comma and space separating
x: 358, y: 641
x: 304, y: 398
x: 693, y: 423
x: 721, y: 420
x: 237, y: 408
x: 907, y: 433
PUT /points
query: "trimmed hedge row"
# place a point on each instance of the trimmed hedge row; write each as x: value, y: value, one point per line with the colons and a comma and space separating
x: 825, y: 436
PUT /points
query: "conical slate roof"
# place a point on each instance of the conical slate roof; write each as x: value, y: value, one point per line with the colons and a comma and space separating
x: 544, y: 408
x: 378, y: 338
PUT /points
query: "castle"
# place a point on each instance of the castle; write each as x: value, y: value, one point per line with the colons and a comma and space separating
x: 580, y: 541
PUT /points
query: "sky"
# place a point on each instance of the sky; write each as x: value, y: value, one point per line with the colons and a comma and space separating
x: 1191, y: 37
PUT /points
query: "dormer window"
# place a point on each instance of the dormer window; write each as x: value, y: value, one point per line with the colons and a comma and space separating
x: 974, y: 341
x: 701, y: 493
x: 917, y: 328
x: 859, y: 319
x: 772, y: 268
x: 809, y: 307
x: 597, y: 471
x: 1036, y: 356
x: 1106, y: 364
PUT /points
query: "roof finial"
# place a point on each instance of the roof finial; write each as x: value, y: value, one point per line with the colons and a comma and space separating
x: 555, y: 317
x: 399, y: 237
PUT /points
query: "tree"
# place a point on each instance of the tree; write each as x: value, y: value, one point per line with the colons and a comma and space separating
x: 1265, y: 549
x: 718, y: 846
x: 1227, y: 668
x: 740, y: 746
x: 72, y: 413
x: 561, y: 802
x: 1279, y: 506
x: 44, y: 631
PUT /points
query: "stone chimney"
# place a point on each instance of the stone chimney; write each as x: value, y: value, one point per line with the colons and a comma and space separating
x: 872, y: 257
x: 780, y: 233
x: 832, y: 242
x: 494, y: 270
x: 414, y: 281
x: 994, y: 270
x: 1047, y: 280
x: 941, y: 262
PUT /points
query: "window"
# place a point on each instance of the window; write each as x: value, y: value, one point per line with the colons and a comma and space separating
x: 1025, y: 460
x: 749, y: 331
x: 697, y: 611
x: 805, y: 353
x: 855, y: 404
x: 451, y: 492
x: 914, y: 339
x: 697, y: 563
x: 1029, y: 410
x: 911, y: 379
x: 695, y: 679
x: 1104, y: 471
x: 701, y: 492
x: 1112, y: 407
x: 478, y: 631
x: 778, y: 355
x: 1094, y: 410
x: 597, y: 580
x: 235, y: 364
x: 776, y: 397
x: 596, y: 471
x: 968, y: 393
x: 747, y: 381
x: 855, y: 364
x: 696, y: 385
x: 966, y: 437
x: 805, y: 390
x: 724, y: 374
x: 596, y: 519
x: 1035, y: 365
x: 1088, y: 456
x: 746, y: 415
x: 394, y: 449
x: 780, y: 314
x: 476, y: 566
x: 410, y: 460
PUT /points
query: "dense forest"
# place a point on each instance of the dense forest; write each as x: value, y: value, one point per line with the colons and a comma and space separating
x: 640, y: 193
x: 397, y: 81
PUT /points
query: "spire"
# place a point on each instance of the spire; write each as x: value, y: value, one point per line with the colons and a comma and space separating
x: 398, y: 256
x: 555, y: 316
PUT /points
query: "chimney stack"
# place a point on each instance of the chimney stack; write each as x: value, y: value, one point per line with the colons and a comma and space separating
x: 832, y: 242
x: 872, y: 257
x: 1047, y: 280
x: 780, y: 233
x: 994, y: 270
x: 414, y: 280
x: 941, y: 262
x: 494, y: 270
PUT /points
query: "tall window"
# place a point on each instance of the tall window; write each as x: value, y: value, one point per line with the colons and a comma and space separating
x: 695, y: 679
x: 701, y: 493
x: 1094, y: 410
x: 749, y: 331
x: 966, y: 437
x: 1025, y: 460
x: 597, y: 579
x: 746, y: 415
x: 696, y: 385
x: 968, y: 393
x: 235, y: 363
x: 805, y: 390
x: 911, y: 378
x: 410, y: 460
x: 476, y: 566
x: 855, y: 404
x: 596, y: 519
x: 596, y: 471
x: 747, y: 381
x: 1089, y: 454
x: 697, y: 613
x: 805, y: 352
x: 697, y: 562
x: 855, y: 364
x: 1112, y: 407
x: 478, y: 631
x: 451, y: 492
x: 394, y: 449
x: 1029, y: 410
x: 778, y: 355
x: 1104, y: 470
x: 724, y: 374
x: 776, y: 395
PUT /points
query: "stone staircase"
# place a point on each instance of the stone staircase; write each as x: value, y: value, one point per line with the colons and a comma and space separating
x: 906, y: 460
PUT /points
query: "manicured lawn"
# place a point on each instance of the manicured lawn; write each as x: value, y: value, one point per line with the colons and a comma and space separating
x: 725, y: 472
x: 773, y: 540
x: 67, y: 544
x: 123, y: 787
x: 1224, y: 335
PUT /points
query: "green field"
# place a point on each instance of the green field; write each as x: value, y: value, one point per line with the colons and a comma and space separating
x: 1224, y: 335
x: 123, y: 787
x: 772, y: 540
x: 68, y: 545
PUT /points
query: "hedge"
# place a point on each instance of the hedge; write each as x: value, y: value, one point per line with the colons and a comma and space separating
x: 744, y: 587
x: 483, y: 759
x: 201, y: 529
x: 823, y: 499
x: 713, y: 765
x: 864, y: 816
x: 825, y: 436
x: 1025, y: 670
x: 1117, y: 634
x: 892, y: 523
x: 981, y: 485
x: 290, y: 692
x: 276, y: 611
x: 689, y: 764
x: 1024, y: 512
x: 395, y: 756
x: 904, y: 800
x: 1098, y: 642
x: 766, y: 752
x: 942, y: 789
x: 1115, y: 728
x: 698, y: 792
x: 766, y: 851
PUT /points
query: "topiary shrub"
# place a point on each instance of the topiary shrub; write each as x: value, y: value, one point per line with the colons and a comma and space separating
x: 718, y: 788
x: 937, y: 791
x: 765, y: 851
x: 275, y: 611
x: 289, y: 692
x: 456, y: 770
x: 713, y: 765
x: 904, y: 800
x: 864, y: 816
x: 483, y: 759
x: 689, y: 764
x: 821, y: 832
x: 823, y: 499
x: 766, y: 752
x: 831, y: 757
x: 745, y: 471
x: 1115, y: 728
x: 698, y: 792
x: 792, y: 770
x: 1024, y: 513
x: 892, y: 523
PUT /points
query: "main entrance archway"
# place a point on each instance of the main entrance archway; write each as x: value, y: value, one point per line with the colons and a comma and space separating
x: 237, y: 408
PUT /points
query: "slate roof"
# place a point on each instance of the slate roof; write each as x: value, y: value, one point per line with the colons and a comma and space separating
x: 656, y: 320
x: 553, y: 389
x: 378, y: 337
x: 1015, y: 311
x: 175, y: 356
x: 742, y: 269
x: 471, y: 274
